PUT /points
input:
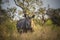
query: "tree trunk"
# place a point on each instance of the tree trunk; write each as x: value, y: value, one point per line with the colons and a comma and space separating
x: 43, y: 20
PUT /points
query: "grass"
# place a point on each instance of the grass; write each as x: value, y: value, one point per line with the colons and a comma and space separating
x: 45, y: 32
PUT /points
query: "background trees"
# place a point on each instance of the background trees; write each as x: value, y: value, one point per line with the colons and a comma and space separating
x: 31, y: 7
x: 54, y: 15
x: 28, y: 5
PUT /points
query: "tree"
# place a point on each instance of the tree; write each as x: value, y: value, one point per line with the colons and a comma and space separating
x: 42, y: 12
x: 6, y: 26
x: 26, y: 5
x: 11, y: 12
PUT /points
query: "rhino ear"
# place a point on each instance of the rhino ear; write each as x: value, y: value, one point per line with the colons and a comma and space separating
x: 33, y: 16
x: 24, y: 15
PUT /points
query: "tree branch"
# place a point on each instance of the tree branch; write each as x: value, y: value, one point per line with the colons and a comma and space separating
x: 19, y: 5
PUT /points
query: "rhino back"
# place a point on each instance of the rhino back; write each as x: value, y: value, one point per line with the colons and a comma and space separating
x: 21, y: 23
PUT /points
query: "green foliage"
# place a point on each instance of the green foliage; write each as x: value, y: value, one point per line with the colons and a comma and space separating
x: 42, y: 10
x: 49, y: 22
x: 11, y: 12
x: 55, y: 17
x: 8, y: 30
x: 7, y: 27
x: 3, y: 16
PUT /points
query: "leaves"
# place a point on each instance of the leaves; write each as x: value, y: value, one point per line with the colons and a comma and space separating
x: 41, y: 10
x: 11, y: 12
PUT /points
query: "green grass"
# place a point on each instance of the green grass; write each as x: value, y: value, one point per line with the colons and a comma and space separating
x: 48, y: 31
x: 49, y: 22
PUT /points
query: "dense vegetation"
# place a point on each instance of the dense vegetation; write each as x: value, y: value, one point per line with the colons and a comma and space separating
x: 50, y: 30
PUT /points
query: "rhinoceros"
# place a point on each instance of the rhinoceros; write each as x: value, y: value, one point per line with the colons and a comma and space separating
x: 24, y: 25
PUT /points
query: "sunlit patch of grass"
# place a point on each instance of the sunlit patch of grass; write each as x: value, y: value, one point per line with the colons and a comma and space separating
x: 49, y: 22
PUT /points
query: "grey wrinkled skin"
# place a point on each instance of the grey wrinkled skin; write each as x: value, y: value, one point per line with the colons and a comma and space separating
x: 24, y: 25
